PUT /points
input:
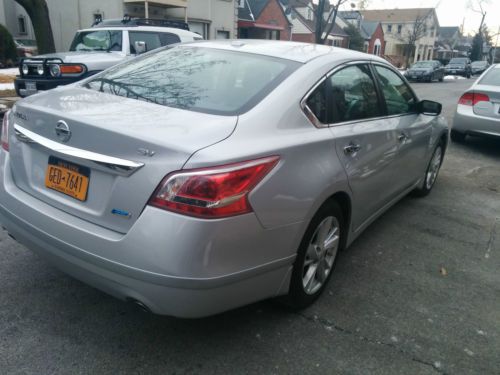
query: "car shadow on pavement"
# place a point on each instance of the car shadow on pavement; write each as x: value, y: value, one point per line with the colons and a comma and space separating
x: 485, y: 146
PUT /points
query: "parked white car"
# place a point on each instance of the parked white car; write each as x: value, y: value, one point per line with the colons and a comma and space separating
x: 100, y: 47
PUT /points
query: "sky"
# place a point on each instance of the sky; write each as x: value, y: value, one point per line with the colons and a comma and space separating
x: 450, y: 12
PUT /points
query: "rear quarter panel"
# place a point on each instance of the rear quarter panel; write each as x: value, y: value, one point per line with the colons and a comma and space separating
x: 309, y: 171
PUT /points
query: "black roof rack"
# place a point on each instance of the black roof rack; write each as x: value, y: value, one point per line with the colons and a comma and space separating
x: 128, y: 21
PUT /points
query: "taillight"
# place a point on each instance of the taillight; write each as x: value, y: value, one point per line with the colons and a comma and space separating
x: 472, y: 98
x: 212, y: 193
x: 5, y: 131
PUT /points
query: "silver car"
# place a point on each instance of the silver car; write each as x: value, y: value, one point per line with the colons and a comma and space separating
x: 478, y: 109
x: 210, y: 175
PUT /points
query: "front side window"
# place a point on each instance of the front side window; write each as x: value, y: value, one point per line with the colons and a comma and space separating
x: 197, y: 79
x: 398, y: 96
x: 352, y: 94
x: 99, y: 40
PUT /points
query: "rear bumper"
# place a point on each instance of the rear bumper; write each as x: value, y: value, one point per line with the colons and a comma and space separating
x: 173, y: 264
x: 459, y: 72
x: 467, y: 122
x: 422, y: 77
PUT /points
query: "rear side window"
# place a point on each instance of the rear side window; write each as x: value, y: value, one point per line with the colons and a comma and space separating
x: 492, y: 77
x: 352, y: 95
x: 398, y: 96
x: 98, y: 40
x: 152, y: 40
x: 196, y: 78
x: 169, y: 38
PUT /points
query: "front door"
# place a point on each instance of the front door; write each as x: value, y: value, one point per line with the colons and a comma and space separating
x: 365, y: 142
x: 413, y: 131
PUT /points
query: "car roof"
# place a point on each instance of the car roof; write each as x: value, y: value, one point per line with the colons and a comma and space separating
x: 159, y: 29
x: 296, y: 51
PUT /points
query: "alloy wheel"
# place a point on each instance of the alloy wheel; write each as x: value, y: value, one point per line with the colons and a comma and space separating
x: 433, y: 170
x: 320, y: 255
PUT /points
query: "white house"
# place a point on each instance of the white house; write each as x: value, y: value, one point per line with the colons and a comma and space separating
x: 212, y: 19
x: 397, y: 23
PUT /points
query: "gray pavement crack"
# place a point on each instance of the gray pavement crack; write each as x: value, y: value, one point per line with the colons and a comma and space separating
x: 325, y: 322
x: 491, y: 239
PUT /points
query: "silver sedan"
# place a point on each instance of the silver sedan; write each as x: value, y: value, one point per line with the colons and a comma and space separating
x: 478, y: 110
x: 203, y: 177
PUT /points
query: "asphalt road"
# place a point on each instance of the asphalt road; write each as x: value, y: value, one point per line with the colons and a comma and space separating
x: 417, y: 293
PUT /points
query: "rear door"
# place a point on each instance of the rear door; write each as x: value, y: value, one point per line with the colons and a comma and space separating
x: 365, y: 142
x: 413, y: 131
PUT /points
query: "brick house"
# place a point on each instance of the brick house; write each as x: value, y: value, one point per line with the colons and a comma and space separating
x: 374, y: 37
x: 262, y: 19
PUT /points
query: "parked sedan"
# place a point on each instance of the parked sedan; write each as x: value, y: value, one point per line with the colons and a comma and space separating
x: 425, y: 71
x: 459, y: 66
x: 478, y: 110
x: 210, y: 175
x: 478, y: 67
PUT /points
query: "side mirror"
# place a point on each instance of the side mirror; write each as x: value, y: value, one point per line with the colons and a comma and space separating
x: 428, y: 107
x: 140, y: 47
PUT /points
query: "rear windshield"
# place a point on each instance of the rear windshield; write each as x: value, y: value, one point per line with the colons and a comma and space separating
x: 423, y: 64
x: 492, y: 77
x: 458, y: 61
x: 479, y: 63
x: 196, y: 78
x: 99, y: 40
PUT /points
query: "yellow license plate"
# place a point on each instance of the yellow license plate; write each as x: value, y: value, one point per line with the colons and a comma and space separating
x: 67, y: 178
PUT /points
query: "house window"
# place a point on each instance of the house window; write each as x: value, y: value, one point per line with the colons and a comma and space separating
x: 389, y: 28
x: 273, y: 34
x: 21, y: 25
x: 97, y: 17
x: 241, y: 3
x: 400, y: 28
x: 432, y: 32
x: 309, y: 14
x: 337, y: 43
x: 222, y: 34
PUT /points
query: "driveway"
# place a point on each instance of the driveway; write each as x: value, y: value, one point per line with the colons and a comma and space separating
x: 417, y: 293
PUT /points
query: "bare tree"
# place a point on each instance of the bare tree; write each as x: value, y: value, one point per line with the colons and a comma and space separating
x: 39, y: 14
x: 323, y: 26
x: 332, y: 17
x: 412, y: 34
x: 478, y: 6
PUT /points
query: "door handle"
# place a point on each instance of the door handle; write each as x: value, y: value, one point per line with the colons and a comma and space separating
x: 403, y: 137
x: 351, y: 148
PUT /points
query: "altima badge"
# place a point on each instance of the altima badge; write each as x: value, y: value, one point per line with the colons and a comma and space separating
x: 62, y: 131
x: 145, y: 152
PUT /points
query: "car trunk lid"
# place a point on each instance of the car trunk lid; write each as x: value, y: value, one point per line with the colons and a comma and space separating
x: 490, y: 108
x: 125, y: 146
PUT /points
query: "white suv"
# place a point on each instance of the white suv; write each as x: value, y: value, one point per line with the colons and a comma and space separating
x: 106, y: 44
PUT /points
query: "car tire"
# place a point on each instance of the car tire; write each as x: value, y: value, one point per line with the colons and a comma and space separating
x: 306, y: 284
x: 441, y: 79
x: 431, y: 173
x: 457, y: 136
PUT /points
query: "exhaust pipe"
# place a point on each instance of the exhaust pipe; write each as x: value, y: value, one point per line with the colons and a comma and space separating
x: 139, y: 304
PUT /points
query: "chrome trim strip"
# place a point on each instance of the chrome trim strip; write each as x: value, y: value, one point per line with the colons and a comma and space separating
x: 119, y: 166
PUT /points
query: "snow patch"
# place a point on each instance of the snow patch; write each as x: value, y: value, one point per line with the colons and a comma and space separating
x: 449, y: 78
x: 6, y: 86
x: 9, y: 72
